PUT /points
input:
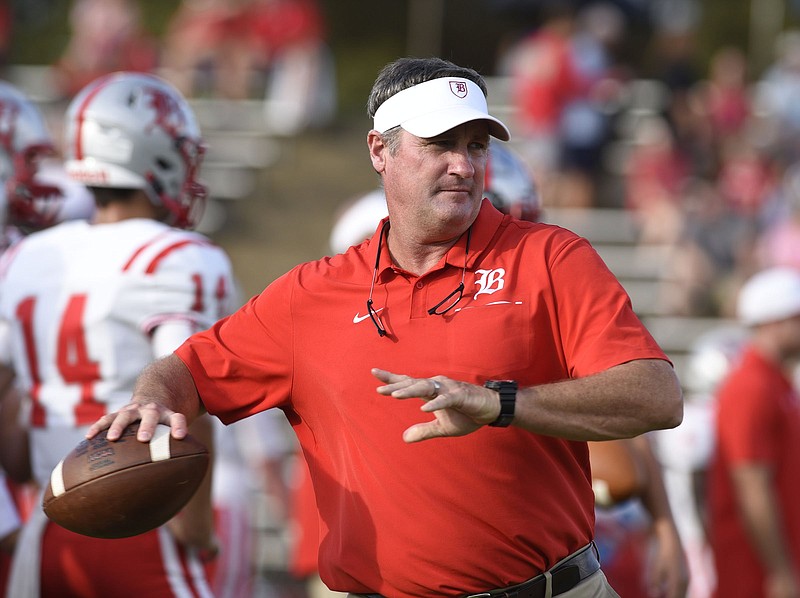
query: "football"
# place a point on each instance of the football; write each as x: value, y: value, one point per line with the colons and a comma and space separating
x: 124, y: 488
x: 618, y: 471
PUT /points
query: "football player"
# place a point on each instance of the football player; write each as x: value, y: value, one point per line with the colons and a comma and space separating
x: 91, y: 303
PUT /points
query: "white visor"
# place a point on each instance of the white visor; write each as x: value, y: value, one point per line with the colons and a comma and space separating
x: 433, y: 107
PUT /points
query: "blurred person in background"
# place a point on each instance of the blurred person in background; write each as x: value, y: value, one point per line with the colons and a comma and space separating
x: 544, y: 80
x: 290, y: 47
x: 777, y: 98
x: 754, y: 489
x: 271, y: 49
x: 105, y: 36
x: 88, y: 304
x: 712, y: 255
x: 34, y: 193
x: 636, y: 534
x: 778, y: 243
x: 686, y: 451
x: 206, y: 48
x: 656, y: 171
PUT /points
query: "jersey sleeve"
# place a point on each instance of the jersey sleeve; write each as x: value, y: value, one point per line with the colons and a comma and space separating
x: 595, y: 320
x: 190, y: 280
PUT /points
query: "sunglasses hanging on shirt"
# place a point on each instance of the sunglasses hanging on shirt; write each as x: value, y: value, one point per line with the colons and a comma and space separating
x: 437, y: 310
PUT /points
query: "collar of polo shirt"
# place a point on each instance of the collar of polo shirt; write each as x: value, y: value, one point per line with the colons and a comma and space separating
x: 433, y: 107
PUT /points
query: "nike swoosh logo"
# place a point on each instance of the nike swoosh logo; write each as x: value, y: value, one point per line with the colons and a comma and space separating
x: 357, y: 318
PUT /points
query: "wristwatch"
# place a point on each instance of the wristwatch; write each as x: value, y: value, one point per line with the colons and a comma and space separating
x: 508, y: 400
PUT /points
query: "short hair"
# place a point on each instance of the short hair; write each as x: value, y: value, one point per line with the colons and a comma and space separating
x: 104, y: 196
x: 407, y: 72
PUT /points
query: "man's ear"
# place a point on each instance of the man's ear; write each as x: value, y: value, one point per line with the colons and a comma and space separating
x: 377, y: 150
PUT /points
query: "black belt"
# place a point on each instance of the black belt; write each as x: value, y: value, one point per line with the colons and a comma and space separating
x: 565, y: 576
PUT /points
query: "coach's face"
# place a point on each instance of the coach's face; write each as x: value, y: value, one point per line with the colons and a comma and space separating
x: 434, y: 185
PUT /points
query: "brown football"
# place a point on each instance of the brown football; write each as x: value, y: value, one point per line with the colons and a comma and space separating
x: 124, y: 488
x: 618, y: 471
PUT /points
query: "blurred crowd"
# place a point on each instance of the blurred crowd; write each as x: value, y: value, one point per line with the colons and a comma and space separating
x: 275, y: 50
x: 705, y: 161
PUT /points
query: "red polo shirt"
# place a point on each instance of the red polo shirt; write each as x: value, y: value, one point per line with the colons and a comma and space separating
x: 758, y: 421
x: 445, y: 516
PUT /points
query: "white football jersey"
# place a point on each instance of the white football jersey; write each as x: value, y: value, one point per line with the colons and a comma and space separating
x: 9, y: 518
x: 82, y: 301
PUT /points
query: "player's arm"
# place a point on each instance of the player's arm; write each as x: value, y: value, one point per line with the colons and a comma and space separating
x: 194, y: 525
x: 669, y: 574
x: 14, y: 445
x: 758, y: 506
x: 10, y: 522
x: 164, y: 394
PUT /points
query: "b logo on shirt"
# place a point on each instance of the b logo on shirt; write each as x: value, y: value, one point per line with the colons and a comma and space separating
x: 490, y: 281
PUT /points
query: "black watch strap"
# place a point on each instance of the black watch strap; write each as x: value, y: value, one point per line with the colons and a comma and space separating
x: 508, y: 400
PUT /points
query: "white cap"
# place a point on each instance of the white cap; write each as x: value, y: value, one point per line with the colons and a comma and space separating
x: 770, y: 296
x: 433, y: 107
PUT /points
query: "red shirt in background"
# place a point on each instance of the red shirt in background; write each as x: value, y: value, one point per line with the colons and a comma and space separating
x: 758, y: 421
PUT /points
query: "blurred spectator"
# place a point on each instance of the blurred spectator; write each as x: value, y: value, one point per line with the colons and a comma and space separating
x: 779, y: 243
x: 747, y: 174
x: 585, y: 121
x: 236, y: 49
x: 290, y: 48
x: 754, y: 489
x: 684, y: 452
x: 725, y: 95
x: 106, y: 36
x: 209, y: 39
x: 637, y: 537
x: 655, y: 175
x: 711, y: 256
x: 5, y: 31
x: 777, y: 97
x: 544, y: 80
x: 565, y: 87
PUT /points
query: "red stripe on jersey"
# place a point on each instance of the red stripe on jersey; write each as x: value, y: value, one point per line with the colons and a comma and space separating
x: 79, y: 118
x: 157, y: 260
x: 136, y: 253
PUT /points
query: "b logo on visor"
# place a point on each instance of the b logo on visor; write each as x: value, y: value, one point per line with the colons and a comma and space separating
x: 459, y: 88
